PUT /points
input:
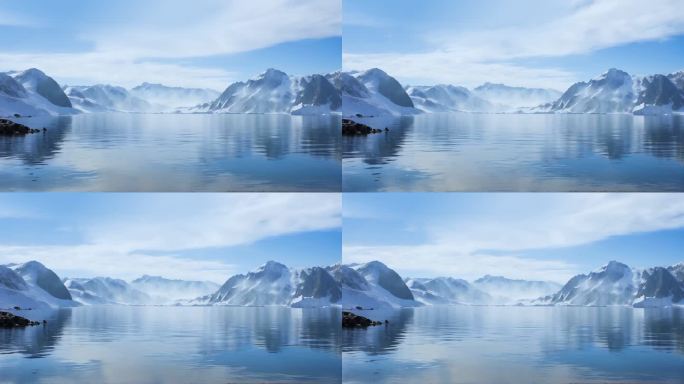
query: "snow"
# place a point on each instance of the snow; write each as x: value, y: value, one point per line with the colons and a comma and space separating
x: 22, y: 289
x: 364, y: 97
x: 173, y: 98
x: 653, y: 110
x: 168, y: 291
x: 654, y: 302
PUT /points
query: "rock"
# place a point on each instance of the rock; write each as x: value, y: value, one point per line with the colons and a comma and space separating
x: 10, y: 128
x: 8, y: 320
x: 352, y: 128
x: 17, y: 115
x: 350, y: 320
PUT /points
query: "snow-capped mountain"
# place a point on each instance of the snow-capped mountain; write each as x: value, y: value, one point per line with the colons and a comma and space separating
x: 512, y: 291
x: 316, y: 287
x: 32, y: 285
x: 15, y: 292
x: 103, y: 98
x: 275, y: 284
x: 167, y: 291
x: 448, y: 98
x: 105, y: 290
x: 32, y: 93
x: 659, y: 287
x: 617, y: 91
x: 271, y: 284
x: 611, y: 92
x: 515, y: 98
x: 677, y: 78
x: 173, y: 98
x: 33, y: 80
x: 36, y: 274
x: 276, y: 92
x: 447, y: 290
x: 373, y: 93
x: 677, y: 271
x: 372, y: 285
x: 657, y: 95
x: 613, y: 284
x: 618, y: 284
x: 316, y: 95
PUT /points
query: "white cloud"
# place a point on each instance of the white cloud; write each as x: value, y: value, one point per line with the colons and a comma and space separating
x: 217, y: 220
x: 218, y: 27
x: 471, y: 248
x: 473, y: 57
x: 102, y: 68
x: 447, y: 260
x: 100, y: 260
x: 147, y: 234
x: 149, y: 43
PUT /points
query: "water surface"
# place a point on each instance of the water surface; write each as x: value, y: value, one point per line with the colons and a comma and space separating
x: 141, y: 345
x: 518, y: 152
x: 462, y: 344
x: 185, y: 153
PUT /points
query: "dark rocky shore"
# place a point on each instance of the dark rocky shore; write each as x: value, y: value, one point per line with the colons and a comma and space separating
x: 352, y: 128
x: 350, y: 320
x: 8, y: 320
x: 10, y: 128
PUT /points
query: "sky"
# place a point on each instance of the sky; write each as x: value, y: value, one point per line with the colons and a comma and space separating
x: 534, y: 43
x: 184, y: 236
x: 201, y: 43
x: 549, y: 237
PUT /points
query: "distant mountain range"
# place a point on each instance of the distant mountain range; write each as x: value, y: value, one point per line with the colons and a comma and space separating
x: 613, y: 284
x: 371, y: 285
x: 33, y: 93
x: 374, y: 92
x: 275, y: 91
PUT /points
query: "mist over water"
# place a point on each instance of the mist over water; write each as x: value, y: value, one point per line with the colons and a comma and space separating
x: 517, y: 152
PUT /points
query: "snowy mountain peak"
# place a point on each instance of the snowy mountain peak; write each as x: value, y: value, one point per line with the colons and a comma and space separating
x: 35, y: 273
x: 273, y: 73
x: 275, y: 284
x: 377, y: 80
x: 36, y: 81
x: 378, y: 273
x: 273, y: 266
x: 614, y: 73
x: 490, y: 278
x: 615, y: 268
x: 659, y: 288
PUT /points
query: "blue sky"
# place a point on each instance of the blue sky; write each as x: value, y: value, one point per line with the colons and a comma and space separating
x: 204, y: 43
x: 189, y: 236
x: 545, y: 43
x: 529, y: 236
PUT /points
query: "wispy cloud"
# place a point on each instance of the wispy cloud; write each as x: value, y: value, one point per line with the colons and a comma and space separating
x: 475, y: 56
x: 217, y: 221
x: 150, y: 235
x: 105, y: 68
x: 156, y: 39
x: 102, y: 260
x: 216, y: 27
x: 495, y: 241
